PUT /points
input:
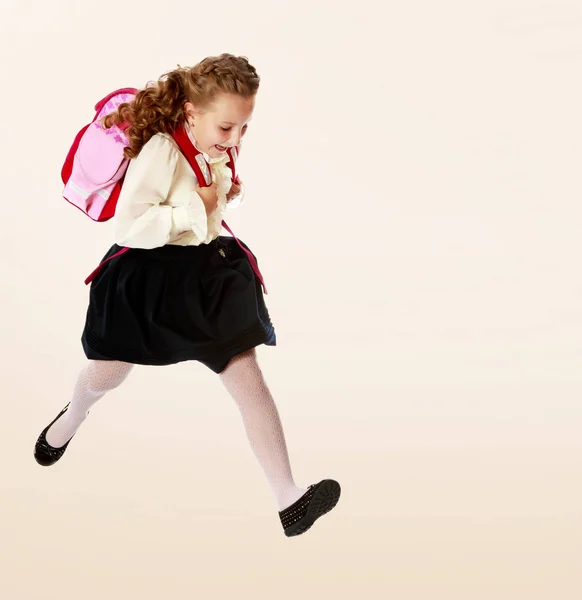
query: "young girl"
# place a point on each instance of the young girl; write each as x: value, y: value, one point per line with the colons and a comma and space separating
x: 183, y: 291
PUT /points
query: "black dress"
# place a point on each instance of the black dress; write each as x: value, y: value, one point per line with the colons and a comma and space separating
x: 177, y: 303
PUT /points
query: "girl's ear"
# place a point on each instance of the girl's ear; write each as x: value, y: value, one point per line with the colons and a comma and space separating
x: 190, y: 111
x: 196, y: 110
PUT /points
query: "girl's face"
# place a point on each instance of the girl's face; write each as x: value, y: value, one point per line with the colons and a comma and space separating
x: 222, y: 124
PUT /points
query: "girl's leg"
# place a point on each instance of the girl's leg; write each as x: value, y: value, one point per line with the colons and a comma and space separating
x: 245, y: 382
x: 96, y: 379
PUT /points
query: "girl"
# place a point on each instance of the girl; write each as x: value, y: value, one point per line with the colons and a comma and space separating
x: 183, y: 291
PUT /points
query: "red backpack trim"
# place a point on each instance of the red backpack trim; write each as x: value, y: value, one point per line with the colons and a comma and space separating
x: 68, y: 165
x: 67, y: 168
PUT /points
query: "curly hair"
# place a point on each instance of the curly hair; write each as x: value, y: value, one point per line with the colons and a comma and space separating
x: 159, y: 107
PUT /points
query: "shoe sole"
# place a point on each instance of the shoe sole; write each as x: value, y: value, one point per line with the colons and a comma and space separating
x: 324, y: 499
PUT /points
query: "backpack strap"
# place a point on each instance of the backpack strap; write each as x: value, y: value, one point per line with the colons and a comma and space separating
x: 194, y: 157
x: 98, y: 268
x: 197, y: 162
x: 233, y: 156
x: 250, y: 256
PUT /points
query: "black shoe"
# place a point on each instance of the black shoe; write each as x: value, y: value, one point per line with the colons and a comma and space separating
x: 319, y: 499
x: 44, y: 453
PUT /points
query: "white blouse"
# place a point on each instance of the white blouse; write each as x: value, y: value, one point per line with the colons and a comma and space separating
x: 158, y: 203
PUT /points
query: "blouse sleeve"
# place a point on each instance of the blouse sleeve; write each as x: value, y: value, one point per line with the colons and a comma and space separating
x: 142, y: 220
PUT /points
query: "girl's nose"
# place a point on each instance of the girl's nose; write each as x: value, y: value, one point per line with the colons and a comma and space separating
x: 235, y: 137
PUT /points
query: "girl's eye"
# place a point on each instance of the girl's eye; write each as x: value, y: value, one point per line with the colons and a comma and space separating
x: 245, y: 127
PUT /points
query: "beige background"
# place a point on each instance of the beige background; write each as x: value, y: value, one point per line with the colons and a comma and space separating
x: 413, y: 181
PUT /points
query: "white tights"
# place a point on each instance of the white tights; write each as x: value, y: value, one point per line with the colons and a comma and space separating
x: 244, y: 381
x: 96, y: 379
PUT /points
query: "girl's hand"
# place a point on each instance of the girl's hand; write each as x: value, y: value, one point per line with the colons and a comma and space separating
x: 234, y: 191
x: 209, y: 196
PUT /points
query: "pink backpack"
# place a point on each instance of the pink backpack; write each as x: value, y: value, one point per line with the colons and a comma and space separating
x: 95, y: 167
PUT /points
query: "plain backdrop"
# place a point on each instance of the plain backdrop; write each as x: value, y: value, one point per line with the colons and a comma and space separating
x: 413, y: 197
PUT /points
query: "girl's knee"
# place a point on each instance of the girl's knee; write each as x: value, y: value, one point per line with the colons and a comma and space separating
x: 104, y: 376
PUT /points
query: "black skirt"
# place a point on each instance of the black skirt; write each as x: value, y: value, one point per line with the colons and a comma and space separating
x: 177, y: 303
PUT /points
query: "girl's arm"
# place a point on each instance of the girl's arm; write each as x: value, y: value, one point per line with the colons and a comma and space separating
x: 141, y: 218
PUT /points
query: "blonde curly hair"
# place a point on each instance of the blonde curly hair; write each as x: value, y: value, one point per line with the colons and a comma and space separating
x: 160, y: 106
